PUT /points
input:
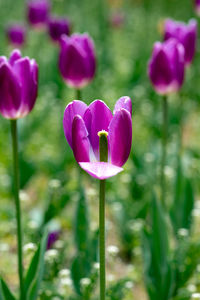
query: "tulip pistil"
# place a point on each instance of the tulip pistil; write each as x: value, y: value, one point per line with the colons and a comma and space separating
x: 103, y: 145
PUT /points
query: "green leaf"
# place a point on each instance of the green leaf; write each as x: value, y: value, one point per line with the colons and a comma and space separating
x: 188, y: 205
x: 32, y: 269
x: 159, y: 272
x: 36, y: 270
x: 117, y: 290
x: 94, y: 243
x: 159, y: 233
x: 82, y: 223
x: 56, y: 203
x: 5, y: 293
x: 183, y: 204
x: 176, y: 208
x: 79, y: 270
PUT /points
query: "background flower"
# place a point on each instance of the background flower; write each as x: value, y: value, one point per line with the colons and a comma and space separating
x: 77, y: 60
x: 38, y: 11
x: 166, y: 66
x: 18, y: 85
x: 197, y: 7
x: 58, y: 26
x: 16, y: 34
x: 186, y: 34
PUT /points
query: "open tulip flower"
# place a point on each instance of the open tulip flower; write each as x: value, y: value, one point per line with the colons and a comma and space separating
x: 18, y: 85
x: 77, y: 60
x: 82, y: 125
x: 166, y: 66
x: 186, y: 34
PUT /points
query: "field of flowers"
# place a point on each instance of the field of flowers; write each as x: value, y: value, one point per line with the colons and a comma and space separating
x: 99, y: 150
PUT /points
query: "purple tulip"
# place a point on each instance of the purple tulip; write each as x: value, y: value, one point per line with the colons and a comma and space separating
x: 52, y: 238
x: 18, y: 85
x: 77, y: 61
x: 197, y: 7
x: 82, y: 124
x: 38, y: 12
x: 57, y: 27
x: 186, y: 34
x: 16, y: 34
x: 166, y: 66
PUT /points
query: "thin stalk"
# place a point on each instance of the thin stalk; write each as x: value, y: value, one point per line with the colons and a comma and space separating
x: 17, y: 204
x: 180, y: 125
x: 102, y: 239
x: 164, y: 148
x: 103, y: 153
x: 78, y: 94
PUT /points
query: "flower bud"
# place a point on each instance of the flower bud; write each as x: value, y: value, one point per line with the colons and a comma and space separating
x: 166, y: 66
x: 57, y: 27
x: 186, y: 34
x: 16, y: 34
x: 38, y: 11
x: 18, y: 85
x: 52, y: 238
x: 77, y: 61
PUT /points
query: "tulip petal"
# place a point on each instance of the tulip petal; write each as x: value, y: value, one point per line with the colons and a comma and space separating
x: 97, y: 117
x: 80, y: 141
x: 34, y: 79
x: 120, y: 137
x: 10, y: 92
x: 123, y: 102
x: 100, y: 170
x: 15, y: 55
x: 73, y: 108
x: 90, y: 62
x: 25, y: 71
x: 160, y: 72
x: 190, y: 41
x: 3, y: 60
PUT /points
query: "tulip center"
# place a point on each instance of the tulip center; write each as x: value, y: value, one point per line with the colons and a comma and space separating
x: 103, y: 145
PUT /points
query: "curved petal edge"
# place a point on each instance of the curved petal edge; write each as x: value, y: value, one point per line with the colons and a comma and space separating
x: 100, y: 170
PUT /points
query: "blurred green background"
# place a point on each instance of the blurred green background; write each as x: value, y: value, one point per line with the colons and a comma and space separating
x: 144, y: 245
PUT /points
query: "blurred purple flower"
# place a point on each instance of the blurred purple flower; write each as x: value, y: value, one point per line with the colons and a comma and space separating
x: 52, y: 238
x: 16, y: 34
x: 18, y: 85
x: 117, y: 19
x: 82, y: 124
x: 186, y: 34
x: 197, y: 7
x: 38, y: 12
x: 77, y: 60
x: 57, y: 27
x: 166, y: 66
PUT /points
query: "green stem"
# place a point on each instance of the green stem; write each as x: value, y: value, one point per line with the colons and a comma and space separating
x: 180, y: 125
x: 78, y: 94
x: 164, y: 148
x: 102, y: 239
x: 17, y: 204
x: 103, y: 153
